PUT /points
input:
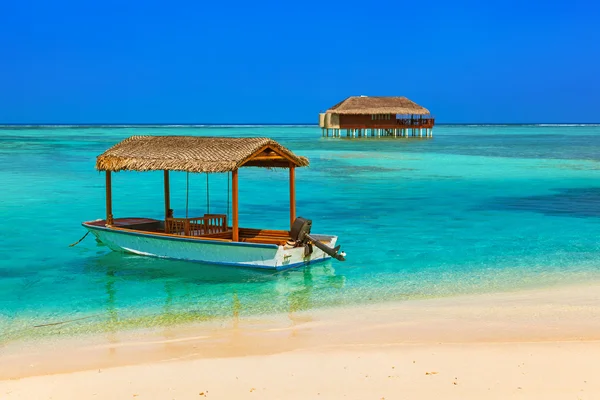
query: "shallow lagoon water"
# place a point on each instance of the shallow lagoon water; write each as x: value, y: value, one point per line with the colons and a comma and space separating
x: 476, y: 209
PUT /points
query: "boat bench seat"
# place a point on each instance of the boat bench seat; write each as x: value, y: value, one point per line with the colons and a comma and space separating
x: 265, y: 236
x: 252, y: 236
x: 264, y: 240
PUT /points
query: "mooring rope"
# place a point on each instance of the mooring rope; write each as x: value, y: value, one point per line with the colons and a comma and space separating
x: 77, y: 242
x: 65, y: 322
x: 9, y: 334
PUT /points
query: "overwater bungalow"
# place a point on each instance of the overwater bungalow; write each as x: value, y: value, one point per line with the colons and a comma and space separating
x: 362, y: 116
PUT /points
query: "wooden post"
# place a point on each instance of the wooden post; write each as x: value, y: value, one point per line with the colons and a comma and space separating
x: 109, y: 214
x: 234, y: 204
x: 292, y: 194
x: 168, y: 211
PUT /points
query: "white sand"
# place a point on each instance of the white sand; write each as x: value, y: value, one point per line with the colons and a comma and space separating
x: 542, y: 344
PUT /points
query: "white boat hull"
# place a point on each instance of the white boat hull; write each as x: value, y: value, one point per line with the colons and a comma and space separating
x: 242, y: 254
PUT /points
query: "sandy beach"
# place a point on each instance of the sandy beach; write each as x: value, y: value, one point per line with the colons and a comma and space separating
x: 539, y: 343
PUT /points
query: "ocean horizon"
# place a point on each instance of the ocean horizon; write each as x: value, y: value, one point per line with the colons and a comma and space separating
x: 479, y: 208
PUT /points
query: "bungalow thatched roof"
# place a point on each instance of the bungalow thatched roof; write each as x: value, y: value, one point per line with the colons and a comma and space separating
x: 378, y: 105
x: 195, y: 154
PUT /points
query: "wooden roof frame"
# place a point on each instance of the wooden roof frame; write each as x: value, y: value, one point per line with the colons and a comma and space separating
x: 269, y: 157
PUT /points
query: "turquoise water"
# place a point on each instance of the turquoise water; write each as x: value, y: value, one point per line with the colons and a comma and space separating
x: 477, y: 209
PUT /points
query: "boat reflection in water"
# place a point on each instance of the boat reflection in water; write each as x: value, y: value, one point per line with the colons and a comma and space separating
x: 144, y: 292
x: 301, y: 286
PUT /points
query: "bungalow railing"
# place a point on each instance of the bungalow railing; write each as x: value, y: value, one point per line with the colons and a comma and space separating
x: 394, y: 123
x: 425, y: 122
x: 198, y: 226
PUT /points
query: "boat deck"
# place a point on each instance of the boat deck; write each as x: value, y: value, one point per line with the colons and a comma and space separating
x: 196, y: 230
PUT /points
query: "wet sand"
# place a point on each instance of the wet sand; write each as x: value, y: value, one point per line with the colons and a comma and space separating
x: 541, y: 343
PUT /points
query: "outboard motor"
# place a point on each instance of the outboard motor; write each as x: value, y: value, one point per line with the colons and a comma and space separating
x: 300, y: 233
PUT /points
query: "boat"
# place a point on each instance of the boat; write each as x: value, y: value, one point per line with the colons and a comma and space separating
x: 208, y: 238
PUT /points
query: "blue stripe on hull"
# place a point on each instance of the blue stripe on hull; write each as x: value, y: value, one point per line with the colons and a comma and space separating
x: 249, y: 266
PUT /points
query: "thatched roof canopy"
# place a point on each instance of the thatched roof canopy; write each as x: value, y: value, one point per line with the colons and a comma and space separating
x: 196, y: 154
x: 378, y: 105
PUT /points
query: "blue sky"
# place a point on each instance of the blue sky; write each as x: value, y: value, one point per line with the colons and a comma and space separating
x: 274, y: 61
